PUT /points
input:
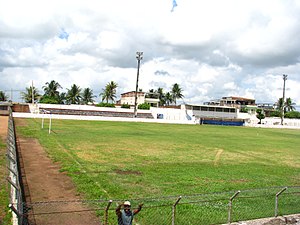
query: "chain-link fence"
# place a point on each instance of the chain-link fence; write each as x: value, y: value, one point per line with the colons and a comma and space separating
x: 14, y: 179
x: 213, y: 208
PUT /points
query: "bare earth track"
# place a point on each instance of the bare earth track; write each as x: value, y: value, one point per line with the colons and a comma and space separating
x: 44, y: 183
x: 3, y: 173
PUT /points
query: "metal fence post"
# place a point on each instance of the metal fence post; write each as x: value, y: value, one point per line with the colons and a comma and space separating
x: 174, y: 210
x: 230, y: 206
x: 276, y: 200
x: 106, y: 212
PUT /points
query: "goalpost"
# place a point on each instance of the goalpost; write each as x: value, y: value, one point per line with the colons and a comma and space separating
x: 45, y: 112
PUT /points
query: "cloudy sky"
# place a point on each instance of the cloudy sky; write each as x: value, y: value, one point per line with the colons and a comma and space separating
x: 210, y: 48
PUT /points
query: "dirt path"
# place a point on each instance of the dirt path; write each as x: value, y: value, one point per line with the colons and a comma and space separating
x: 44, y: 183
x: 3, y: 127
x: 3, y: 171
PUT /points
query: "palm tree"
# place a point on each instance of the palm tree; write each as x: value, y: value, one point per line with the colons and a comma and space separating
x: 62, y: 98
x: 279, y: 104
x: 161, y: 96
x: 289, y: 105
x: 109, y: 92
x: 176, y: 92
x: 51, y: 89
x: 168, y: 98
x: 73, y: 95
x: 3, y: 96
x: 87, y: 96
x: 27, y: 95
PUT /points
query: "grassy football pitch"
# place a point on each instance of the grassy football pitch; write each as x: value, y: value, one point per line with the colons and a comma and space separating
x: 119, y: 160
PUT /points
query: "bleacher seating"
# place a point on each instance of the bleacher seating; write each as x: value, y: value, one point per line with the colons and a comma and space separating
x: 97, y: 113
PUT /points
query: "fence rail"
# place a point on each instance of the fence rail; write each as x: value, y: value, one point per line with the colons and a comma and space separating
x: 14, y: 179
x: 213, y: 208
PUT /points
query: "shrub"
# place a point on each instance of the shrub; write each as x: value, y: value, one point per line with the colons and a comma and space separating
x: 244, y: 110
x: 260, y: 115
x: 144, y: 106
x: 292, y: 115
x: 103, y: 104
x: 125, y: 106
x: 275, y: 114
x: 48, y: 100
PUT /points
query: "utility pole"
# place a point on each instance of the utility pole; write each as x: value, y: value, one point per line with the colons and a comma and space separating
x: 284, y: 76
x: 139, y: 57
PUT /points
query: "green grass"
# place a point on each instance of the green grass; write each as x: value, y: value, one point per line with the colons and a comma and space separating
x: 5, y: 216
x: 121, y: 160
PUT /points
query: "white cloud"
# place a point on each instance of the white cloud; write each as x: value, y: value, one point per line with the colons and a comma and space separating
x: 211, y: 48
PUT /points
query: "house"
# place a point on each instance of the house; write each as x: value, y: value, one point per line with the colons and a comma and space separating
x: 237, y: 102
x: 142, y: 97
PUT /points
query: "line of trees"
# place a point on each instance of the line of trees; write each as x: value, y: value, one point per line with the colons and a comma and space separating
x: 167, y: 98
x: 76, y: 95
x: 288, y: 106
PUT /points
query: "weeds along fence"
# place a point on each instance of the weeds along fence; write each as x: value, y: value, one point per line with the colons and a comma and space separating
x: 213, y: 208
x: 14, y: 178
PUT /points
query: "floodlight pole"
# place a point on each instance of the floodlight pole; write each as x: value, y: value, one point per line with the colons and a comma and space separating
x: 284, y: 76
x: 139, y: 57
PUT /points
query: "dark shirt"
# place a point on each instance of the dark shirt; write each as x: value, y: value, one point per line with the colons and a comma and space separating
x: 125, y: 217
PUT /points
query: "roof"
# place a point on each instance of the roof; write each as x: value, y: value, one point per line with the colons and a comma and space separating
x: 132, y: 92
x: 239, y: 98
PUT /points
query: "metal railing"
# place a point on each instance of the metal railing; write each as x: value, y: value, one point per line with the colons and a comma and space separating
x: 213, y: 208
x: 14, y: 177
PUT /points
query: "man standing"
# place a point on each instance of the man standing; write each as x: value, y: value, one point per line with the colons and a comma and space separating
x: 125, y: 216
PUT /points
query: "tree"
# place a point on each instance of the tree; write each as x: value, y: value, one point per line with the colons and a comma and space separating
x: 176, y: 92
x: 284, y: 107
x: 62, y: 98
x: 109, y: 92
x: 3, y: 96
x: 51, y: 89
x: 87, y: 96
x: 51, y: 93
x: 73, y: 95
x: 27, y: 95
x: 279, y: 104
x: 168, y: 98
x: 161, y: 96
x: 289, y: 105
x: 260, y: 115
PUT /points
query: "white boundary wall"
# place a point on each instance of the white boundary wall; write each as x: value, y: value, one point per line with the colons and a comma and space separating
x: 170, y: 115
